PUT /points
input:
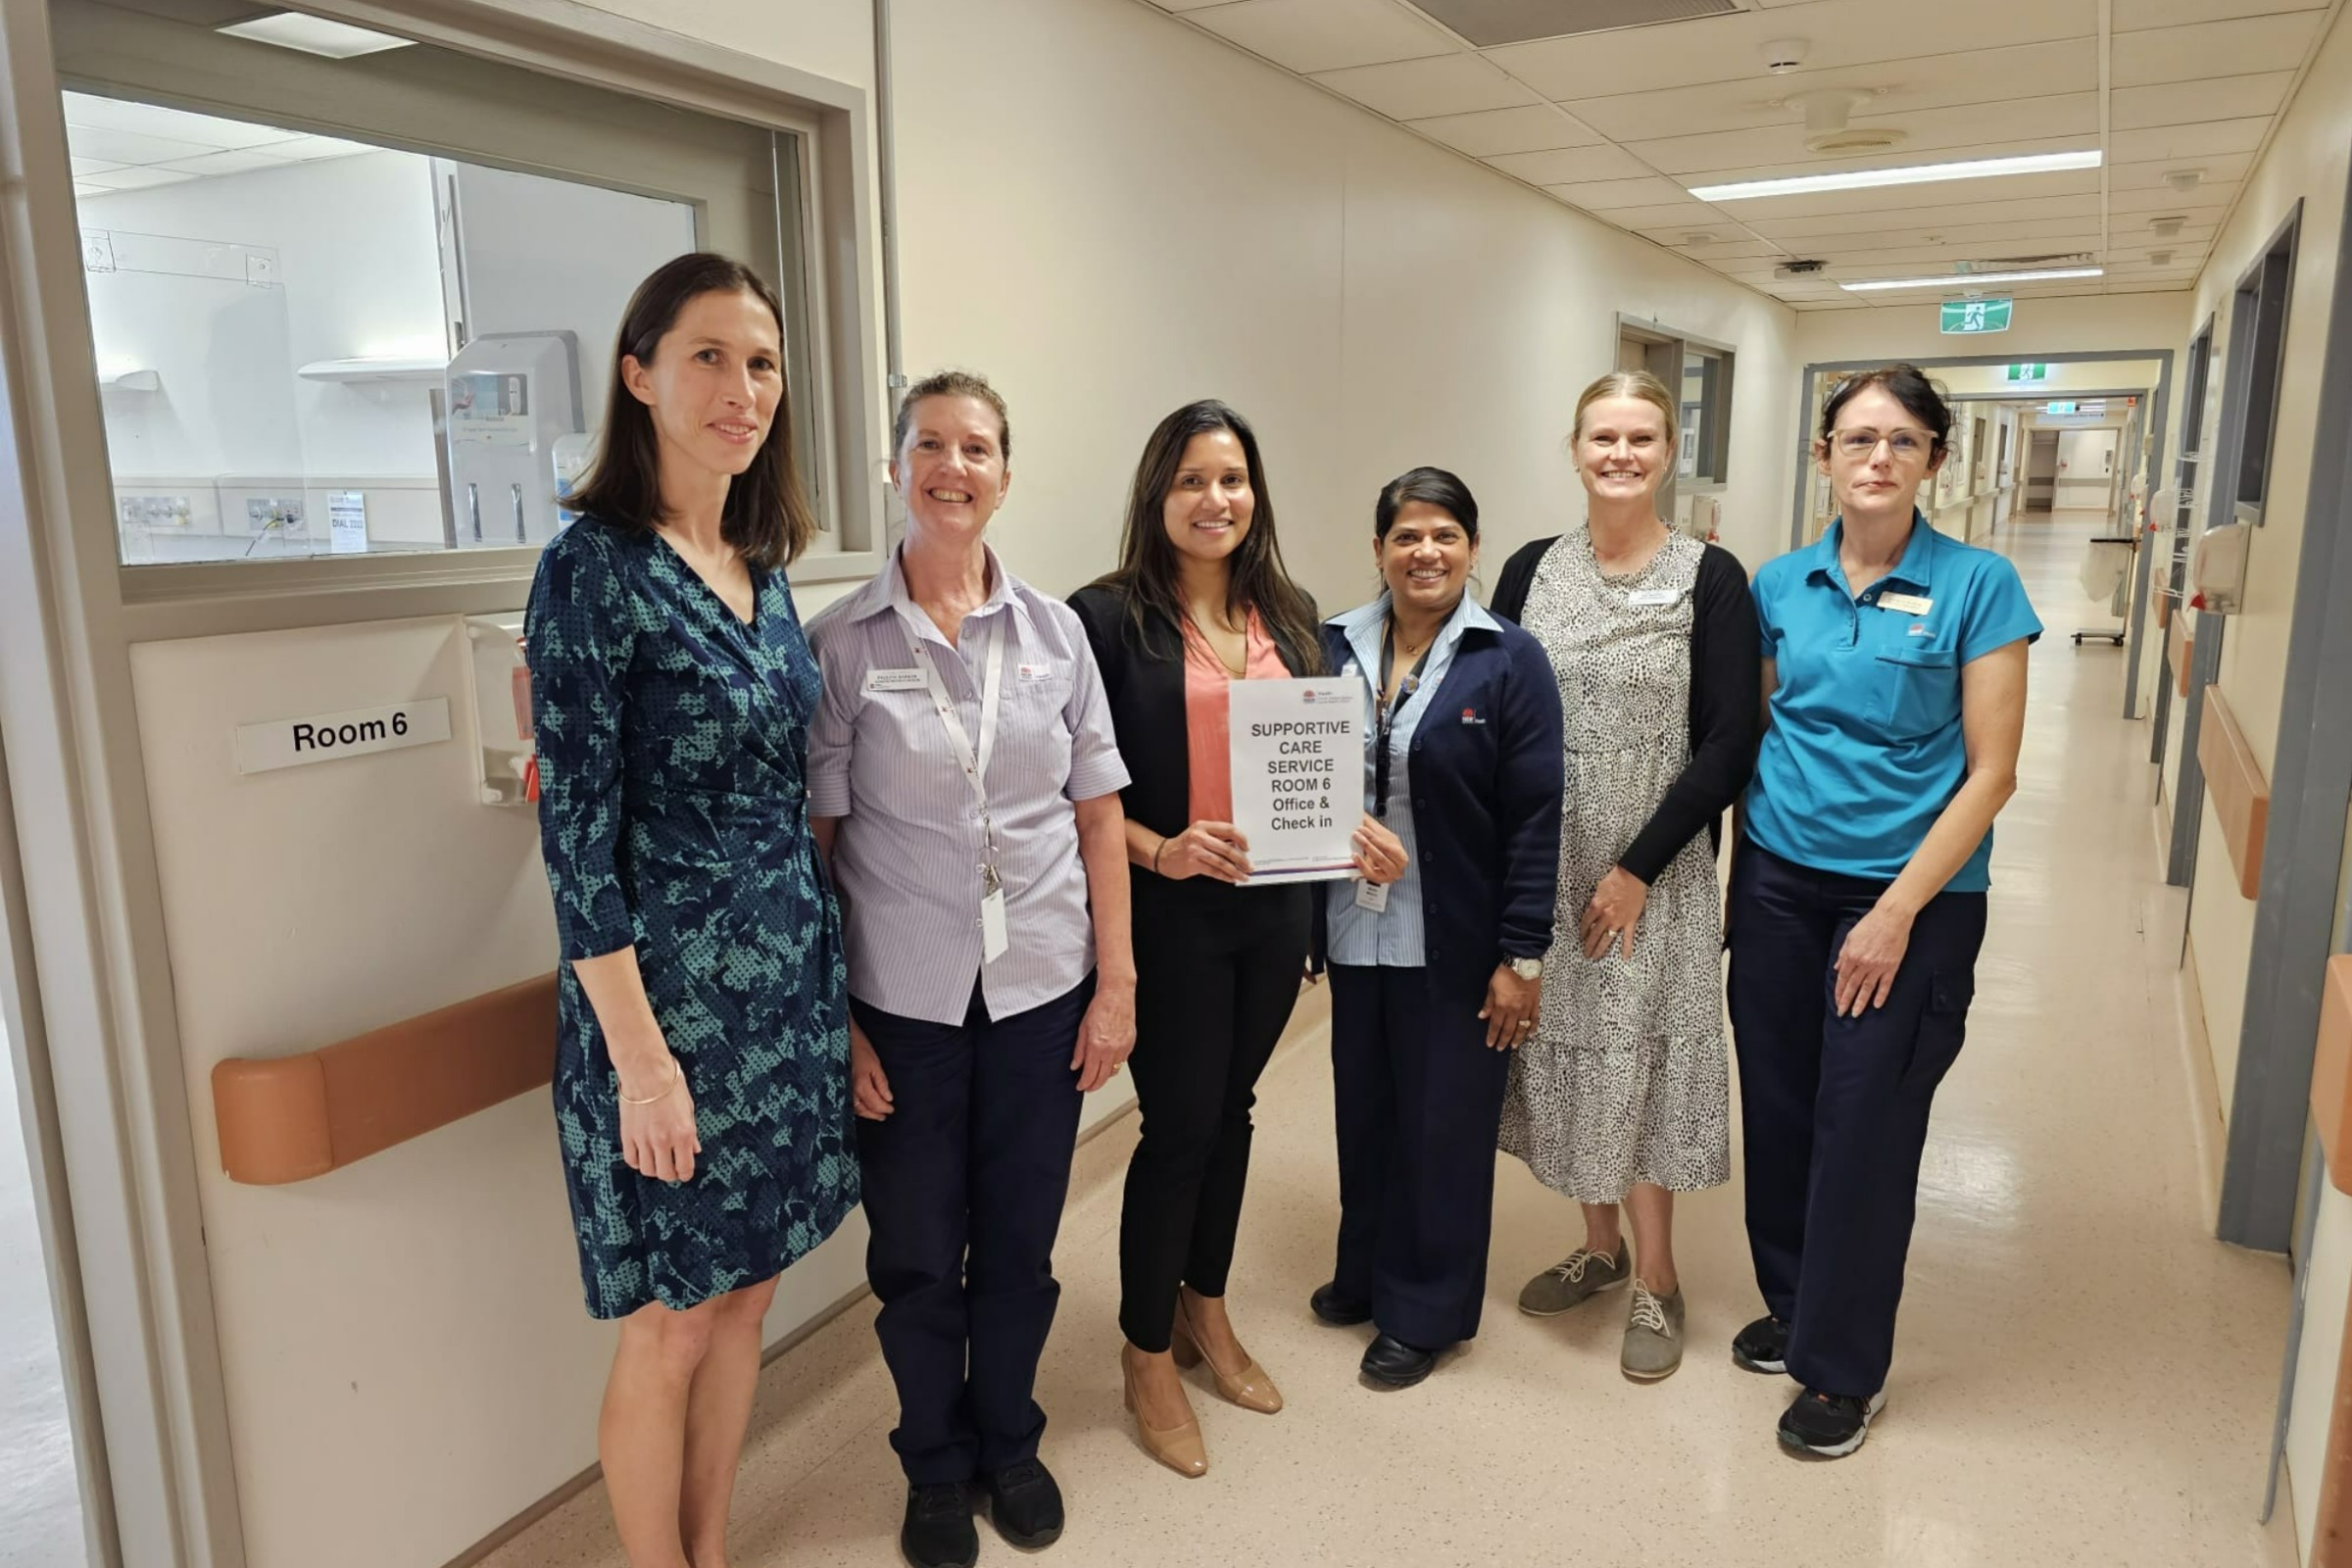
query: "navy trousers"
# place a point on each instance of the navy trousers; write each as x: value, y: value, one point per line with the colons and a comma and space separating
x: 964, y: 1185
x: 1419, y: 1102
x: 1835, y: 1110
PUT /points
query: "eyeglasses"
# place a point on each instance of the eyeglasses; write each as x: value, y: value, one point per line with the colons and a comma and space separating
x: 1903, y: 444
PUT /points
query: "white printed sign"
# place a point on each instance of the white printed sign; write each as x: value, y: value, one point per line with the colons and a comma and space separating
x: 295, y: 742
x: 1298, y: 758
x: 347, y: 522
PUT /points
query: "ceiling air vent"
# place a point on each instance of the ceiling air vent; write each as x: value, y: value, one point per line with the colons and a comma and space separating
x: 1488, y: 22
x: 1800, y: 269
x: 2011, y: 264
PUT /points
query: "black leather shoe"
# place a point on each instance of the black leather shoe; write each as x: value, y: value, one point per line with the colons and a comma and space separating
x: 1025, y: 1504
x: 1336, y: 1309
x: 1393, y: 1364
x: 938, y: 1532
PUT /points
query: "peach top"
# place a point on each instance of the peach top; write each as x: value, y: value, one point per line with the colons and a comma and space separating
x: 1208, y: 710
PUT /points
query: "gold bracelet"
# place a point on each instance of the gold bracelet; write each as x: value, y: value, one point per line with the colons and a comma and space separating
x: 651, y: 1098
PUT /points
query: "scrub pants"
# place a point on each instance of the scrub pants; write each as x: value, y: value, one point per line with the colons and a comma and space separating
x: 1418, y: 1096
x: 1834, y: 1110
x: 964, y: 1185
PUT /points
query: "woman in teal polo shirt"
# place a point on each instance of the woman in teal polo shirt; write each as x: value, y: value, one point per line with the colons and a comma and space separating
x: 1894, y: 675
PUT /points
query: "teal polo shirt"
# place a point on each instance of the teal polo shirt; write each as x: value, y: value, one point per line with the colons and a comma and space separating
x: 1864, y: 750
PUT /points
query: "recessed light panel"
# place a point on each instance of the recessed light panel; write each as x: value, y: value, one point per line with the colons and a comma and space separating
x: 1965, y: 280
x: 315, y: 35
x: 1911, y: 175
x: 1488, y: 22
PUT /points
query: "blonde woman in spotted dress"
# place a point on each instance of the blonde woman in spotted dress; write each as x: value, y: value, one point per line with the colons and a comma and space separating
x: 1622, y: 1097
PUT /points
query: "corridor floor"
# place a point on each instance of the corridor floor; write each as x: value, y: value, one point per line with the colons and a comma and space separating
x: 2082, y: 1376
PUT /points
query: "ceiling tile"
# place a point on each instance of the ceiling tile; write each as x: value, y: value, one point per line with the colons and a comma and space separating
x: 1677, y: 215
x: 1538, y: 129
x: 203, y: 131
x: 82, y: 187
x: 1715, y: 254
x: 2131, y: 16
x: 2214, y: 49
x: 129, y: 147
x: 232, y: 162
x: 1898, y: 87
x: 1604, y: 195
x: 1574, y: 165
x: 2153, y: 196
x: 92, y: 166
x: 1418, y: 90
x: 2071, y: 121
x: 1842, y: 34
x: 2187, y: 143
x: 121, y: 179
x: 1181, y: 6
x: 2225, y: 97
x: 304, y: 149
x: 1310, y: 35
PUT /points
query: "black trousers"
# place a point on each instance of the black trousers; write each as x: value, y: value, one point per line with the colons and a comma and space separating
x: 1834, y: 1110
x: 964, y: 1186
x: 1419, y: 1101
x: 1217, y: 973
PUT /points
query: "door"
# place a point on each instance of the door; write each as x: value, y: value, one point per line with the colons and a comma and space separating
x: 2041, y: 472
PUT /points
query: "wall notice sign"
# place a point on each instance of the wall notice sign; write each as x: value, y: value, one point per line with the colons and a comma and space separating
x: 1297, y: 758
x: 347, y: 522
x: 1976, y: 316
x: 325, y: 737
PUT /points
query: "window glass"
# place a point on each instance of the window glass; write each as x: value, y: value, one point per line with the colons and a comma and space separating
x: 309, y: 345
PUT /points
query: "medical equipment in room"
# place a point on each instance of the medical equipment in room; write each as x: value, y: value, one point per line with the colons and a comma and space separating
x: 510, y: 399
x: 2107, y: 574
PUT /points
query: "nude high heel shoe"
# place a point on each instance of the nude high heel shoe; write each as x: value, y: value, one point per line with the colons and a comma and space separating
x: 1178, y: 1448
x: 1252, y: 1390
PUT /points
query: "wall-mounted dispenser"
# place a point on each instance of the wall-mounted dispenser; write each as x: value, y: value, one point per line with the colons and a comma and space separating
x: 508, y: 768
x: 2217, y: 568
x: 510, y: 398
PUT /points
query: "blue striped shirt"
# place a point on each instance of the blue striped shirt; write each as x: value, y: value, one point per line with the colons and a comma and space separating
x: 907, y: 854
x: 1392, y: 937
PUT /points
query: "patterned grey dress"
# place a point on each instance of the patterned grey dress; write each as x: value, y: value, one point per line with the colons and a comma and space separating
x: 1626, y: 1077
x: 672, y: 743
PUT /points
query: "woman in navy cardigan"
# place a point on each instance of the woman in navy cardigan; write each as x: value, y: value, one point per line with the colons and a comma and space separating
x: 1434, y: 976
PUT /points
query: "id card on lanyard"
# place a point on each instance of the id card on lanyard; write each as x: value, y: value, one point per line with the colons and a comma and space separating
x: 994, y: 938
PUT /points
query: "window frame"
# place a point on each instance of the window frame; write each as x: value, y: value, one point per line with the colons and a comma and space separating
x: 825, y: 123
x: 1716, y: 427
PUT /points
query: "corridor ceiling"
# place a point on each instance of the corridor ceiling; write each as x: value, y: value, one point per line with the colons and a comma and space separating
x: 1617, y: 107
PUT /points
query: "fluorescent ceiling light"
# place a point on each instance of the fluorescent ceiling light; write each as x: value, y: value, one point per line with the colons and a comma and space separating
x: 315, y: 35
x: 1961, y: 280
x: 1914, y: 175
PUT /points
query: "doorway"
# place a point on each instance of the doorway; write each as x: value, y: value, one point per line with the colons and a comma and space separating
x: 2041, y: 472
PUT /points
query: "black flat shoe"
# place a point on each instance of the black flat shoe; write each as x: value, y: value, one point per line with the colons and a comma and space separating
x: 938, y: 1532
x: 1025, y: 1504
x: 1336, y: 1309
x: 1393, y: 1364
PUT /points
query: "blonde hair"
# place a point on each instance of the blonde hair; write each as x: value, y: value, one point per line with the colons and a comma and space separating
x: 1628, y: 384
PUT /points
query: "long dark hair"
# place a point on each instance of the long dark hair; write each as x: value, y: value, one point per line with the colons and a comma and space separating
x: 1149, y: 577
x: 766, y: 516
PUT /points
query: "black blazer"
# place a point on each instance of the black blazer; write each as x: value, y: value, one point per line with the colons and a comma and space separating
x: 1727, y: 719
x: 1143, y: 675
x: 1485, y: 769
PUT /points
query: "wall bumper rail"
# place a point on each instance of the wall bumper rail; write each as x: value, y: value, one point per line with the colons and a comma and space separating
x: 290, y: 1119
x: 2236, y: 787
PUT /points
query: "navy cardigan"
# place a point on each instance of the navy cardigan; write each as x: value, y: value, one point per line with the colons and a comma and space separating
x: 1485, y: 770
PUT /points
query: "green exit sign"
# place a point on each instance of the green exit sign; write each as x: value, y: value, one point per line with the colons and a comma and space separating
x: 1976, y: 316
x: 2029, y: 372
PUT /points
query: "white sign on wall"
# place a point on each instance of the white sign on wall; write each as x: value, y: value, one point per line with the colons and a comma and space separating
x: 295, y: 742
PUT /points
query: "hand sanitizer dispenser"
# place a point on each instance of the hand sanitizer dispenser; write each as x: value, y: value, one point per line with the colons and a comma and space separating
x: 2217, y: 568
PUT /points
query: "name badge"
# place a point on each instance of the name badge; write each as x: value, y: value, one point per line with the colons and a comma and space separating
x: 1372, y: 896
x: 994, y: 940
x: 1906, y: 604
x: 1652, y: 598
x: 1036, y: 672
x: 894, y: 680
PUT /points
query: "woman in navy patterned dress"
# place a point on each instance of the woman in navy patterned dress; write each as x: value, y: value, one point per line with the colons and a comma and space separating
x: 701, y: 1074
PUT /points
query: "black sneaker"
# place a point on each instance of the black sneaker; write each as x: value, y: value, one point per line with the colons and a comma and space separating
x: 1829, y: 1426
x: 1762, y: 1346
x: 1025, y: 1504
x: 938, y: 1532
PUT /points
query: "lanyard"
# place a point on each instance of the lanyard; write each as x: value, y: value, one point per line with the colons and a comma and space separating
x: 973, y: 762
x: 1386, y: 711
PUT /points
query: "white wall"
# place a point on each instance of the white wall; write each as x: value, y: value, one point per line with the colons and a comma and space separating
x: 2086, y: 325
x: 359, y: 275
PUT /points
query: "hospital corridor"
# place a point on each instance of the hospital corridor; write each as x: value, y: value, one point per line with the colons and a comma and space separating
x: 1188, y: 783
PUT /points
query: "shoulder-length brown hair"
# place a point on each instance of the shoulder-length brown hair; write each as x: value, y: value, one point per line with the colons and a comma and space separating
x: 1147, y: 576
x: 766, y: 516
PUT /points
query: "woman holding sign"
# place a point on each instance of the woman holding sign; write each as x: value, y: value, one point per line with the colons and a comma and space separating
x: 1199, y: 601
x: 1435, y: 976
x: 963, y: 780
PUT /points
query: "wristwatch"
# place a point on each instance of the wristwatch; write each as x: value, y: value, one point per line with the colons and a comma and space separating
x: 1527, y: 968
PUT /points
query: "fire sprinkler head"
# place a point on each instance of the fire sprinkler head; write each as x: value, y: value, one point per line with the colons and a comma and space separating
x: 1784, y: 55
